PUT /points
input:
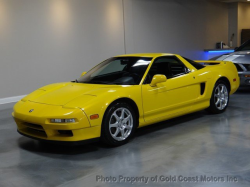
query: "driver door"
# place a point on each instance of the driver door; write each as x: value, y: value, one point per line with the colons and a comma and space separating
x: 172, y: 97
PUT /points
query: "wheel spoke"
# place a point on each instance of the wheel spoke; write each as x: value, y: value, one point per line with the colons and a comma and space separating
x: 116, y: 117
x: 128, y: 127
x: 222, y: 89
x: 217, y: 102
x: 122, y: 114
x: 226, y: 97
x: 116, y: 132
x: 114, y: 125
x: 122, y: 132
x: 217, y: 95
x: 218, y: 88
x: 221, y: 104
x: 126, y: 119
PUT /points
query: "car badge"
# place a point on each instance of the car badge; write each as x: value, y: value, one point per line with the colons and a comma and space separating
x: 31, y: 110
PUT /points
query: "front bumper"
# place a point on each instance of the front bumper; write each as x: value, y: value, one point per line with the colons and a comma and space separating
x: 37, y: 125
x: 244, y: 81
x: 71, y: 143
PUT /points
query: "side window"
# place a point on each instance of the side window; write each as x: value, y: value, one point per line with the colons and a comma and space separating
x: 170, y: 66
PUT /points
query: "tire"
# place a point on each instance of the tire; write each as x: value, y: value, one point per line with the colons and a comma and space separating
x: 220, y: 98
x: 117, y: 129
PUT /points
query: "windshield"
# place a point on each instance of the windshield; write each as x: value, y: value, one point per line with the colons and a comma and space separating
x: 117, y: 70
x: 245, y: 46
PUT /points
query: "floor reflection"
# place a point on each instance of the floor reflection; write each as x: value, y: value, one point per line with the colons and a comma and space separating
x: 191, y: 145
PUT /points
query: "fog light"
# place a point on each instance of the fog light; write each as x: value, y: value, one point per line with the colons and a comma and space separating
x: 62, y: 120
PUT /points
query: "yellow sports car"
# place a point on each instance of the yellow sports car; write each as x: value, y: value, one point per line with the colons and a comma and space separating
x: 123, y: 93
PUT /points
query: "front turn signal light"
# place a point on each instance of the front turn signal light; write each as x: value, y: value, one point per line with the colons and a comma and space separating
x: 94, y: 116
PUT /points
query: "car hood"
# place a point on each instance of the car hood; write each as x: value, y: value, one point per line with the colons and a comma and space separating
x: 242, y: 57
x: 63, y: 93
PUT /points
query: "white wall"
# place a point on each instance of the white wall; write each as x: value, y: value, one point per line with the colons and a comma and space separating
x: 46, y: 41
x: 175, y: 26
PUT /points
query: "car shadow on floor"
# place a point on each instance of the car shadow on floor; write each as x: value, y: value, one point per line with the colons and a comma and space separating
x: 57, y: 149
x: 46, y: 147
x: 243, y: 91
x: 170, y: 123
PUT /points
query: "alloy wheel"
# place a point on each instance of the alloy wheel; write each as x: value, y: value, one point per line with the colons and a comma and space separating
x: 221, y: 96
x: 121, y: 124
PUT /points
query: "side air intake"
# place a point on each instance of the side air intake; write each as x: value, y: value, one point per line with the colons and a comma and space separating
x: 203, y: 85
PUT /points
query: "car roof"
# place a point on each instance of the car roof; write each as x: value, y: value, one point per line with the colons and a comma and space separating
x: 152, y: 55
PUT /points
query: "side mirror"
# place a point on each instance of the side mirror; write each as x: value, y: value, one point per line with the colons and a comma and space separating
x: 158, y: 79
x: 83, y: 73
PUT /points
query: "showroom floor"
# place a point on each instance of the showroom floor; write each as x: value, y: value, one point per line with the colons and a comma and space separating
x: 216, y: 147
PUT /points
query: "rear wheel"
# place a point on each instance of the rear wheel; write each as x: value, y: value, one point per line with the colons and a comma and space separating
x: 220, y: 98
x: 119, y: 124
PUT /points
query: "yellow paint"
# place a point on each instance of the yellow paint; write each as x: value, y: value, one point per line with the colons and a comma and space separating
x: 158, y: 79
x: 166, y: 99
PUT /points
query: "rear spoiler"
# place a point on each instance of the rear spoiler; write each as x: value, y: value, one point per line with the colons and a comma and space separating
x: 210, y: 62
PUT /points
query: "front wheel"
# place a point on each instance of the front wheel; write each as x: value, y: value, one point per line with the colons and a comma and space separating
x: 220, y: 98
x: 119, y: 124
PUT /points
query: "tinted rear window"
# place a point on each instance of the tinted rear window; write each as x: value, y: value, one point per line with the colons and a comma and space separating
x: 195, y: 64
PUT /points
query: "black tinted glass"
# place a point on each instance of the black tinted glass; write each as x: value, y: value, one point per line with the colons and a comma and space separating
x: 170, y: 66
x: 195, y: 64
x: 118, y: 70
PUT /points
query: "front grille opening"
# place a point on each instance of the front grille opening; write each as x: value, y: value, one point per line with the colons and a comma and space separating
x: 67, y: 133
x: 238, y: 67
x: 34, y: 129
x: 41, y: 133
x: 34, y: 126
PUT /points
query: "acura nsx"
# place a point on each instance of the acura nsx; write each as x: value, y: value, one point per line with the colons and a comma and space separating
x: 123, y: 93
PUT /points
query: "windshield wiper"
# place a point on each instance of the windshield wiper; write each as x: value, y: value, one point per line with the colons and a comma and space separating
x: 98, y: 82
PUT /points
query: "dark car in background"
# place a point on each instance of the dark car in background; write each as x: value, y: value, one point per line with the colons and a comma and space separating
x: 241, y: 59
